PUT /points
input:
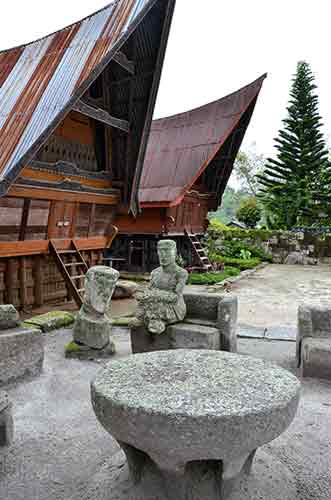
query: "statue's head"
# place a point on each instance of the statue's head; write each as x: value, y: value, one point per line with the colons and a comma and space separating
x: 167, y: 252
x: 100, y: 283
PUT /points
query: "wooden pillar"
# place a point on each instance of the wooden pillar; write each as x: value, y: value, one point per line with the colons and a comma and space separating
x: 9, y: 280
x: 23, y: 282
x: 24, y: 220
x: 38, y: 281
x: 91, y: 221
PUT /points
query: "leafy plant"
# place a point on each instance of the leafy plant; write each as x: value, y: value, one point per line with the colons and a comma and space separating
x: 245, y: 254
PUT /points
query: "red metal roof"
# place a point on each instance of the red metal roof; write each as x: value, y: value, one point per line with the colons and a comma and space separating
x: 40, y: 81
x: 182, y: 146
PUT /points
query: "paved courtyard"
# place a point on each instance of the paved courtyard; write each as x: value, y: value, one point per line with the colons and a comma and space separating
x: 61, y: 451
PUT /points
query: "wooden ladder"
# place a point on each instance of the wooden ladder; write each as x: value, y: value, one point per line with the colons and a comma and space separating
x: 199, y: 252
x: 73, y: 268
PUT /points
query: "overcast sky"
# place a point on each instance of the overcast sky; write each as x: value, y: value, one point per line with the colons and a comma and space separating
x: 215, y: 47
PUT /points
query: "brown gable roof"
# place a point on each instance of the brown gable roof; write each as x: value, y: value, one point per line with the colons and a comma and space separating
x: 181, y: 147
x: 41, y: 81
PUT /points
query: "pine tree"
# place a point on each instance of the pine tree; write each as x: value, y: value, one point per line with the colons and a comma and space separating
x: 296, y: 185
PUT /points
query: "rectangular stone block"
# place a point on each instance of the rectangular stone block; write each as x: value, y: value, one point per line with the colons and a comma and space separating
x: 188, y: 336
x: 21, y: 354
x: 143, y: 341
x: 202, y: 304
x: 6, y: 426
x: 315, y: 358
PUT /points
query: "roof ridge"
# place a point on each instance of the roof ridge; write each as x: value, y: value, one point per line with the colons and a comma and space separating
x: 67, y: 27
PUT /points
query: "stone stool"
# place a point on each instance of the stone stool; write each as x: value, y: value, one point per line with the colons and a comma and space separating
x: 190, y: 421
x: 6, y: 420
x: 210, y: 323
x: 313, y: 352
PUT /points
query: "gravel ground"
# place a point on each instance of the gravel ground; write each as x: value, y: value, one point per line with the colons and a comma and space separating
x: 61, y: 452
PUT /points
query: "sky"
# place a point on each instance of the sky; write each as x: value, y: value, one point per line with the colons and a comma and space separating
x: 215, y: 47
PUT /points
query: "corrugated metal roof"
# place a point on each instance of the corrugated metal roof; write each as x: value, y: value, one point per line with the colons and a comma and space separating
x: 40, y: 81
x: 182, y: 146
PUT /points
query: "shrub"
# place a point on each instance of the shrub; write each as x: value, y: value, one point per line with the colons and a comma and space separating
x: 241, y: 264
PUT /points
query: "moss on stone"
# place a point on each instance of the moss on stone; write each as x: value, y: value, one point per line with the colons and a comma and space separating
x: 51, y: 320
x: 72, y: 347
x: 121, y: 321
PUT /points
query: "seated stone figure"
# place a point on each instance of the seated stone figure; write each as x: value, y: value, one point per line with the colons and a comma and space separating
x: 93, y: 327
x: 162, y: 303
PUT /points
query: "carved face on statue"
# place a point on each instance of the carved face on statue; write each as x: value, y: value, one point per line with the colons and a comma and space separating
x: 100, y: 283
x: 167, y: 252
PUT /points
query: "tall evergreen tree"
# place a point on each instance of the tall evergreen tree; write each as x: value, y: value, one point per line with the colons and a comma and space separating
x: 295, y: 185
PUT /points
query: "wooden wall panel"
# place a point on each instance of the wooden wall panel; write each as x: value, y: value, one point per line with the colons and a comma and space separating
x: 32, y: 281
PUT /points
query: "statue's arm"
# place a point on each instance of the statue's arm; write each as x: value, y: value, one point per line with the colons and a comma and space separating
x: 182, y: 280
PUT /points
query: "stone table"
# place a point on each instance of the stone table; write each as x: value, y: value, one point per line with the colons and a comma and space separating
x: 190, y: 421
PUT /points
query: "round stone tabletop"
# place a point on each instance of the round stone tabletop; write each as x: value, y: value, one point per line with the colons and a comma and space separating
x: 194, y: 404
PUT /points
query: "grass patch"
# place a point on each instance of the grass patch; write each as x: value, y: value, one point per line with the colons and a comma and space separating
x: 212, y: 278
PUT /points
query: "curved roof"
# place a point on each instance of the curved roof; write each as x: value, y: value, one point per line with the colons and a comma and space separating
x: 181, y: 147
x: 40, y: 81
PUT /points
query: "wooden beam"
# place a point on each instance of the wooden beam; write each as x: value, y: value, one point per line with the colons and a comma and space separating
x: 101, y: 115
x: 121, y: 59
x: 24, y: 220
x: 19, y: 191
x: 40, y: 247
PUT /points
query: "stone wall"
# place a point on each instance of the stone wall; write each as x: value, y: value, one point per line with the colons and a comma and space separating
x: 299, y: 247
x: 291, y: 247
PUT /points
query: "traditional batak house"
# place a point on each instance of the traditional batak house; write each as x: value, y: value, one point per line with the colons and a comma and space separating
x: 75, y: 114
x: 188, y: 163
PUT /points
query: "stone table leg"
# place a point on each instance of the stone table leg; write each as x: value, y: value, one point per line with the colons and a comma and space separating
x: 203, y: 479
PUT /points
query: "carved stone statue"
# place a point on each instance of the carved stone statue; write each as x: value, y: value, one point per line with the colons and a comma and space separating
x: 93, y: 327
x: 162, y: 303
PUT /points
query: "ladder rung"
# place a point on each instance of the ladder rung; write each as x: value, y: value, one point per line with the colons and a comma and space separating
x: 61, y: 252
x: 77, y: 277
x: 80, y: 290
x: 70, y: 264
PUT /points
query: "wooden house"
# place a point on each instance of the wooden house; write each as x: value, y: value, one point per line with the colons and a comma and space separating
x: 75, y: 114
x: 188, y: 163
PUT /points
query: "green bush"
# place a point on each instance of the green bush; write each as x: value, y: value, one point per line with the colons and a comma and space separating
x: 212, y: 278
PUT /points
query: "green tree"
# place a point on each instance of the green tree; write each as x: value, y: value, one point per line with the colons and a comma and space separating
x: 230, y: 204
x: 249, y: 212
x: 296, y: 185
x: 246, y: 167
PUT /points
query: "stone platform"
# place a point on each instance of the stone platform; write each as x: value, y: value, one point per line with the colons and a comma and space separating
x: 190, y: 421
x: 21, y: 353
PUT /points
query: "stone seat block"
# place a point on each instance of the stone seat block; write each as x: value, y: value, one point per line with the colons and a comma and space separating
x: 6, y: 420
x: 178, y: 336
x: 191, y: 336
x: 21, y: 353
x: 316, y: 358
x: 313, y: 347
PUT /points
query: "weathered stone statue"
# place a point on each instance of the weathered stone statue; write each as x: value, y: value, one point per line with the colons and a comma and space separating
x: 93, y: 327
x: 162, y: 303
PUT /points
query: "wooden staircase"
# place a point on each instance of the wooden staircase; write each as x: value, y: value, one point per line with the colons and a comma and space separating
x: 199, y: 252
x: 73, y: 268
